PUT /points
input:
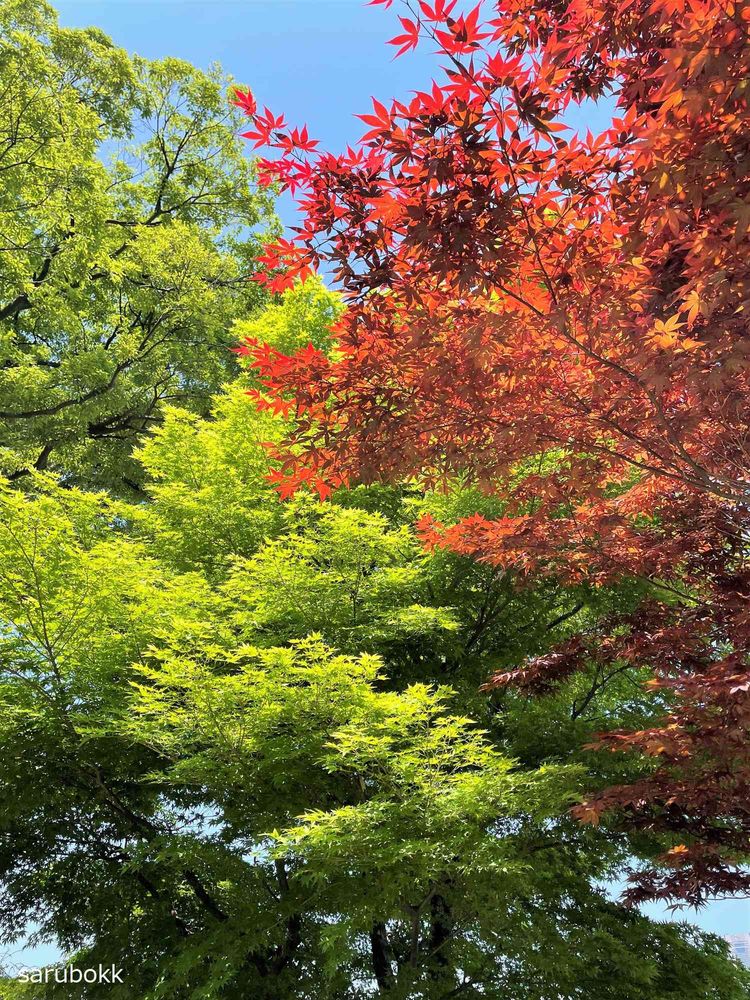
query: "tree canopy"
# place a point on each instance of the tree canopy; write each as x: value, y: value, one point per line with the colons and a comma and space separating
x: 130, y: 225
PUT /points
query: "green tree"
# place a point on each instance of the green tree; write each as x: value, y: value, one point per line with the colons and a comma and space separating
x: 304, y: 315
x: 129, y: 227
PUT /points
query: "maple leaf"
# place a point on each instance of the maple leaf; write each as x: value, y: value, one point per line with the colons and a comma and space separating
x: 463, y: 35
x: 245, y: 100
x: 439, y: 12
x: 265, y: 125
x: 381, y: 121
x: 408, y: 40
x: 297, y: 139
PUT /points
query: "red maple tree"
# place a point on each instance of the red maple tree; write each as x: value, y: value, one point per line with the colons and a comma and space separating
x: 522, y: 298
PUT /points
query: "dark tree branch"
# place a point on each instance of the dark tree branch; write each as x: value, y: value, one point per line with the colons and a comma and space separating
x: 382, y: 956
x: 40, y: 465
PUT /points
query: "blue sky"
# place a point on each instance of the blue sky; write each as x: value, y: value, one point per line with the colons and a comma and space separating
x: 319, y: 62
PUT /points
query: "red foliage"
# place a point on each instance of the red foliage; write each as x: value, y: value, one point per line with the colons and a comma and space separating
x: 565, y: 318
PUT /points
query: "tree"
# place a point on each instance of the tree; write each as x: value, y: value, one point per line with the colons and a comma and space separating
x: 130, y: 225
x: 562, y: 319
x: 222, y: 804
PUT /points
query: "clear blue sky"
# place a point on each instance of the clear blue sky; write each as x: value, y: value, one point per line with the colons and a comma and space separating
x: 319, y: 62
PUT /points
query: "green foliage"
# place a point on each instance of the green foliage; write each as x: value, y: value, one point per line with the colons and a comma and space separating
x: 304, y: 316
x: 210, y: 501
x: 129, y: 230
x: 298, y: 728
x: 340, y: 571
